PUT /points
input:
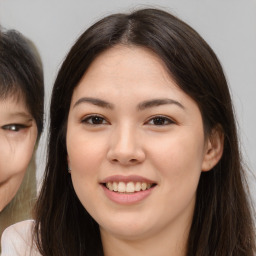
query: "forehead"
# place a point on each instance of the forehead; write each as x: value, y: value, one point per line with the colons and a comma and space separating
x: 122, y: 59
x: 128, y: 71
x: 126, y: 67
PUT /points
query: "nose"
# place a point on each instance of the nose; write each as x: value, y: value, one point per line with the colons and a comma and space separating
x: 126, y: 147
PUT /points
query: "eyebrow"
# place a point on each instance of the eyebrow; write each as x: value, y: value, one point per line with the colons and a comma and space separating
x: 94, y: 101
x: 158, y: 102
x: 141, y: 106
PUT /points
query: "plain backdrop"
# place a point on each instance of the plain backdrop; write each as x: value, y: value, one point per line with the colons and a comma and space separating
x: 229, y: 26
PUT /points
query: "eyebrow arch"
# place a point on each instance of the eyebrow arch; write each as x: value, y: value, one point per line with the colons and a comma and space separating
x: 158, y: 102
x: 94, y: 101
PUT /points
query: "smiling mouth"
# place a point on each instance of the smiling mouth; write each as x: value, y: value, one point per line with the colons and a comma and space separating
x: 128, y: 187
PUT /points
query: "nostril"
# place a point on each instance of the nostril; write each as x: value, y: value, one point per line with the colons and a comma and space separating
x: 122, y: 161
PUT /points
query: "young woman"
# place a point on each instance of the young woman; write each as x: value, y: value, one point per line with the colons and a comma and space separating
x: 21, y: 123
x: 143, y: 154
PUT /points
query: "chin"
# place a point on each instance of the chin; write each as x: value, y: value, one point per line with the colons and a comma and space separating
x: 129, y: 230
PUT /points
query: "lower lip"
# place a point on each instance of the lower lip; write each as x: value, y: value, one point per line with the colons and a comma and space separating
x: 123, y: 198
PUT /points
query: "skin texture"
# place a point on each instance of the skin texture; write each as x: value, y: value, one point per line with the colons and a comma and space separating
x: 130, y: 140
x: 18, y: 134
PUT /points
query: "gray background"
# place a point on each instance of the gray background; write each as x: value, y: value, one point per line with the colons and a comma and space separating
x: 229, y: 26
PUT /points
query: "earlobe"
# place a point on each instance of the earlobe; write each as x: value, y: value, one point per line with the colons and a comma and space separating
x: 213, y: 149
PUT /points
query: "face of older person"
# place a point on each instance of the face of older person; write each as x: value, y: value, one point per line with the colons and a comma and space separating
x: 18, y: 134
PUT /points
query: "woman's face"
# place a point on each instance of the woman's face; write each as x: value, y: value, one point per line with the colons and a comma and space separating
x: 135, y: 144
x: 18, y: 134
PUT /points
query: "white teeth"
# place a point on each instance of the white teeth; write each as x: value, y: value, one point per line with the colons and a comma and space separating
x: 129, y: 187
x: 109, y: 185
x: 137, y: 186
x: 144, y: 186
x: 115, y: 186
x: 121, y: 187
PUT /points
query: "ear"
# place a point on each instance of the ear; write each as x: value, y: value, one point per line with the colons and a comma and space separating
x: 213, y: 148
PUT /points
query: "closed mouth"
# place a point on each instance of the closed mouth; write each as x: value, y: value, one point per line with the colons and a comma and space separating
x: 128, y: 187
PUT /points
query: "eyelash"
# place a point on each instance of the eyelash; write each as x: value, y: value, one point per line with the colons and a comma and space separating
x: 14, y: 127
x: 99, y: 120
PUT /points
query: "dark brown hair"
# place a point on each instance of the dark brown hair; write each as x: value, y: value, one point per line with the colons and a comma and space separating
x: 222, y: 223
x: 21, y: 73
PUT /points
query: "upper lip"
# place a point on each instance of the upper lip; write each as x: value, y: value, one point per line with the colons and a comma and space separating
x: 134, y: 178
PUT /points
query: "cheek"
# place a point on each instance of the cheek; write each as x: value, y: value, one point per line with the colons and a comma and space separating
x: 14, y: 160
x: 180, y: 150
x: 85, y: 158
x: 15, y: 156
x: 85, y: 153
x: 179, y: 160
x: 84, y: 164
x: 9, y: 188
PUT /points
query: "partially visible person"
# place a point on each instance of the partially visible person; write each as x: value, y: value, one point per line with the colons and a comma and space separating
x: 143, y: 155
x: 21, y: 124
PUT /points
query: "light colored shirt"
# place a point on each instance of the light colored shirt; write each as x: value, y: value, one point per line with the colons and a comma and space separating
x: 17, y: 240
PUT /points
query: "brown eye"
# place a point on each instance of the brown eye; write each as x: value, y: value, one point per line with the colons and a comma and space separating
x: 94, y: 120
x: 160, y: 120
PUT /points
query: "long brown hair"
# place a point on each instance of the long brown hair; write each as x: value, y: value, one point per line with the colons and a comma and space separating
x: 222, y: 223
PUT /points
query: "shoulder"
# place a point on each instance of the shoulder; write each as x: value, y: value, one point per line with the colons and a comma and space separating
x: 17, y: 240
